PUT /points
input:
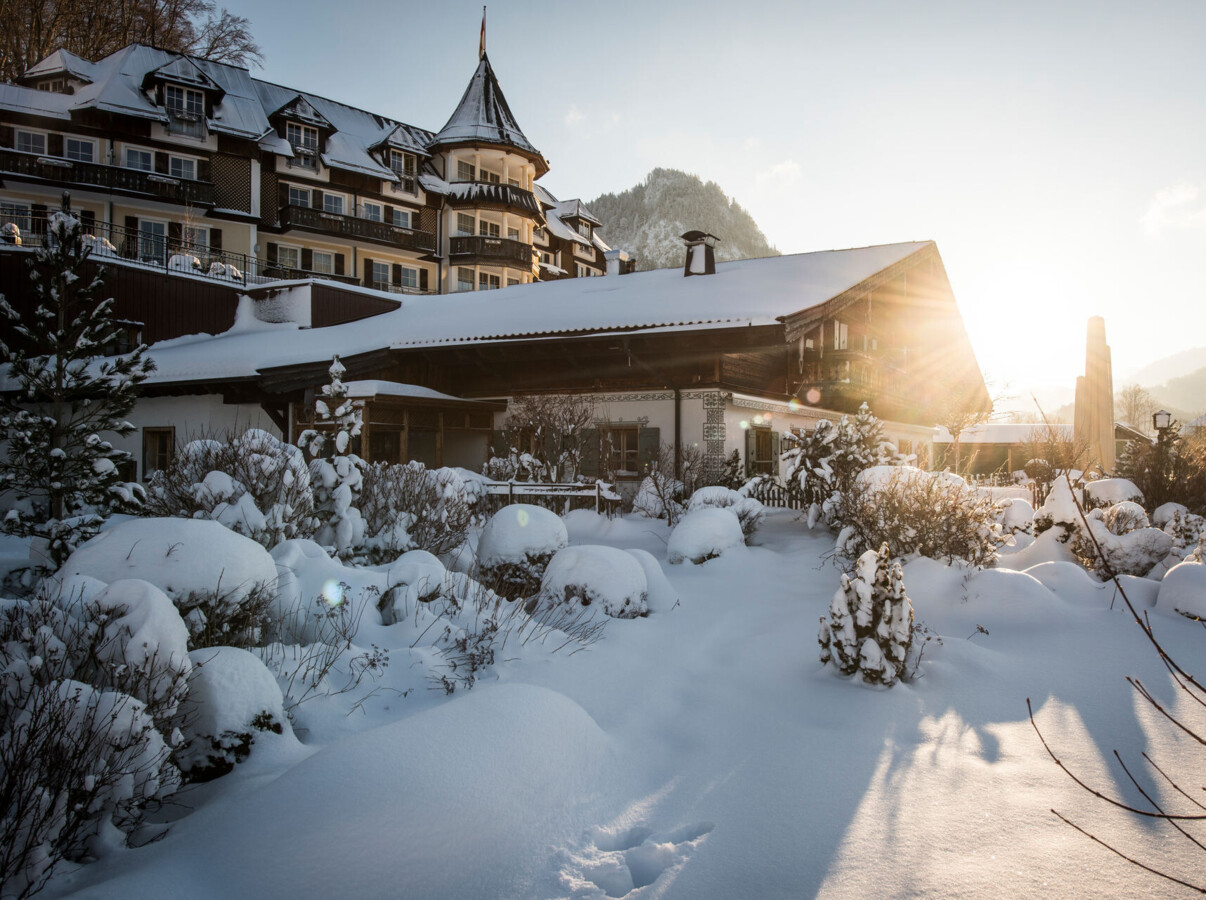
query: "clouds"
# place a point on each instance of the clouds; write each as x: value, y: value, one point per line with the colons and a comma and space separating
x: 1180, y: 207
x: 574, y: 116
x: 781, y: 174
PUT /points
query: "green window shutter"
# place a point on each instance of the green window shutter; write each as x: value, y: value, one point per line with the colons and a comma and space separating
x: 590, y: 453
x: 751, y: 445
x: 775, y: 444
x: 649, y: 441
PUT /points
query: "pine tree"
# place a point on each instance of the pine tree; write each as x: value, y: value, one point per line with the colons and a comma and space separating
x: 336, y: 475
x: 57, y: 463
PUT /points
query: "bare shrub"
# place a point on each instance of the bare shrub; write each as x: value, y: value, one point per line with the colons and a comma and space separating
x: 409, y: 507
x: 545, y: 436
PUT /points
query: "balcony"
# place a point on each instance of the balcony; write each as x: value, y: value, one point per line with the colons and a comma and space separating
x: 492, y: 249
x: 189, y: 124
x: 492, y: 194
x: 305, y: 218
x: 112, y: 178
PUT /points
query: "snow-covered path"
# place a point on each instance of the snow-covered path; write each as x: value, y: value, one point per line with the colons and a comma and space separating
x: 704, y: 752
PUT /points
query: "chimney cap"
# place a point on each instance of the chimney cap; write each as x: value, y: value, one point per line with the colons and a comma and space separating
x: 700, y: 237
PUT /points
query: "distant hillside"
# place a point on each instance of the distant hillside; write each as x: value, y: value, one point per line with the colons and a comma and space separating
x: 647, y: 220
x: 1179, y: 364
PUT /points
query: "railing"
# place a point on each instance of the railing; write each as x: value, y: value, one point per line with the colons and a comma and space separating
x: 114, y: 178
x: 473, y: 193
x: 311, y: 219
x: 769, y: 492
x: 131, y: 247
x: 388, y: 288
x: 186, y: 123
x: 406, y: 184
x: 560, y: 498
x: 503, y: 249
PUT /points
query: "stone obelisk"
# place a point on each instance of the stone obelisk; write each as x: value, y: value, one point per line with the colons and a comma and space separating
x: 1094, y: 420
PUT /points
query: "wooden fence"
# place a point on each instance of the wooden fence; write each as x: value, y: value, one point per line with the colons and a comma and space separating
x: 560, y: 498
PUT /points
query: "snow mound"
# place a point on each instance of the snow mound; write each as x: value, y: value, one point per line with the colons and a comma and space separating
x: 518, y: 531
x: 231, y: 698
x: 660, y: 595
x: 703, y: 535
x: 596, y: 574
x: 1165, y: 512
x: 181, y: 557
x: 1108, y: 491
x: 1071, y: 583
x: 1183, y: 590
x: 1015, y: 515
x: 749, y: 511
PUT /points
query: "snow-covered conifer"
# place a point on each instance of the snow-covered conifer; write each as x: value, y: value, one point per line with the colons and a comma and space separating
x: 57, y: 464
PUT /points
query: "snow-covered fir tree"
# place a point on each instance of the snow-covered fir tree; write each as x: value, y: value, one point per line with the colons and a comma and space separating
x: 828, y: 458
x: 336, y: 475
x: 63, y: 475
x: 870, y: 625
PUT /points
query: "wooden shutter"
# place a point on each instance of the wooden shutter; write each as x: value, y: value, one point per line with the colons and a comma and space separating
x: 175, y: 236
x: 307, y: 259
x: 368, y: 272
x: 590, y: 453
x: 271, y: 253
x: 338, y: 263
x: 649, y: 441
x: 775, y: 445
x: 282, y: 194
x: 161, y: 163
x: 131, y: 236
x: 316, y: 199
x: 397, y: 272
x: 203, y: 170
x: 54, y: 145
x: 88, y: 221
x: 215, y: 240
x: 7, y: 136
x: 422, y: 279
x: 751, y: 447
x: 387, y: 215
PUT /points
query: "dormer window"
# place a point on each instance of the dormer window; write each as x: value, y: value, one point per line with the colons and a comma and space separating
x: 403, y: 164
x: 54, y: 86
x: 584, y: 229
x: 304, y: 141
x: 184, y: 102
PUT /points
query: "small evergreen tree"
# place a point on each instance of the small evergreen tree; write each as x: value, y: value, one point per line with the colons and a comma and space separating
x: 870, y: 624
x: 336, y: 475
x: 57, y: 464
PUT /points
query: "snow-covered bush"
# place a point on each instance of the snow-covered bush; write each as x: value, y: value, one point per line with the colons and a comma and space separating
x: 407, y: 507
x: 828, y: 458
x: 660, y: 596
x: 870, y: 625
x: 60, y: 475
x: 222, y: 583
x: 1110, y: 491
x: 1169, y: 470
x: 1125, y: 517
x: 516, y: 546
x: 749, y: 511
x: 1059, y: 511
x: 1183, y: 590
x: 252, y: 483
x: 1015, y: 516
x: 659, y: 496
x: 917, y: 513
x: 1131, y: 550
x: 232, y: 698
x: 590, y: 574
x: 704, y: 534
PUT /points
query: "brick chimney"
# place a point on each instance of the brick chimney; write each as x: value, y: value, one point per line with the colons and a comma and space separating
x: 701, y: 256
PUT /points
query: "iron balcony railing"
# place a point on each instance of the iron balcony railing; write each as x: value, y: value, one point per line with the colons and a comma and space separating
x: 309, y: 219
x: 491, y: 248
x: 114, y: 178
x: 156, y: 251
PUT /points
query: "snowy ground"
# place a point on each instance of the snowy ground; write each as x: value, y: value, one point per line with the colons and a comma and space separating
x: 704, y: 752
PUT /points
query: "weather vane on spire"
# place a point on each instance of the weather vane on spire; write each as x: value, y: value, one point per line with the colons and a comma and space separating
x: 481, y: 46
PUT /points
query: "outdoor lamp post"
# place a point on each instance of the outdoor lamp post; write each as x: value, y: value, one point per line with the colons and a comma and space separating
x: 1161, y: 419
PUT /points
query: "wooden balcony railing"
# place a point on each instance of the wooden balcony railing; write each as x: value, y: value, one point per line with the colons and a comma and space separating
x: 490, y: 193
x: 308, y: 219
x: 491, y: 248
x: 114, y: 178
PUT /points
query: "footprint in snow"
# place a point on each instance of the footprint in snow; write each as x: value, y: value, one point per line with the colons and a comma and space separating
x: 629, y: 862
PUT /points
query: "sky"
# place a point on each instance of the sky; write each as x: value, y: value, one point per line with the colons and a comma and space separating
x: 1056, y: 152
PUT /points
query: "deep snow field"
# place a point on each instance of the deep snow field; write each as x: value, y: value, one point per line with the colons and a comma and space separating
x: 705, y: 752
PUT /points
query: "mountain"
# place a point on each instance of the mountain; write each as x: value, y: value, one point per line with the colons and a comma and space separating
x: 1168, y: 368
x: 646, y: 220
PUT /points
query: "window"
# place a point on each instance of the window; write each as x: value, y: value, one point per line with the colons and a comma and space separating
x: 584, y: 228
x: 179, y: 167
x: 380, y: 274
x: 79, y: 150
x: 514, y: 182
x: 152, y: 240
x: 763, y: 446
x: 299, y: 196
x: 488, y: 282
x: 546, y: 257
x: 410, y: 278
x: 16, y: 214
x: 618, y: 449
x: 465, y: 171
x: 402, y: 218
x: 288, y: 257
x: 490, y: 177
x: 304, y: 141
x: 184, y: 100
x: 487, y: 229
x: 840, y: 335
x: 323, y: 262
x: 31, y: 142
x: 371, y: 211
x: 196, y: 237
x: 158, y: 445
x: 332, y: 203
x: 540, y: 233
x: 55, y: 86
x: 464, y: 278
x: 511, y: 282
x: 139, y: 159
x: 584, y: 271
x: 465, y: 223
x: 402, y: 163
x: 513, y: 233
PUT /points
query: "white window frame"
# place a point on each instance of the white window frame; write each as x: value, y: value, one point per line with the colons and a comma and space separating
x: 323, y: 262
x: 194, y: 100
x: 402, y: 218
x: 410, y: 278
x: 512, y: 282
x: 18, y: 213
x: 290, y: 249
x: 540, y: 234
x: 584, y: 228
x: 336, y: 204
x: 841, y: 335
x: 18, y: 133
x: 195, y: 235
x: 465, y: 171
x: 89, y: 142
x: 382, y: 268
x: 150, y: 155
x: 374, y: 212
x: 146, y: 235
x: 463, y: 219
x: 190, y: 160
x: 403, y: 164
x: 296, y: 193
x: 466, y: 280
x: 487, y: 175
x: 486, y: 228
x: 512, y: 234
x: 487, y: 281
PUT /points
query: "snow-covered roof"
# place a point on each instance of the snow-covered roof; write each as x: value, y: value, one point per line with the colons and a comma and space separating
x: 1002, y: 433
x: 61, y: 62
x: 483, y: 115
x: 370, y: 388
x: 741, y: 293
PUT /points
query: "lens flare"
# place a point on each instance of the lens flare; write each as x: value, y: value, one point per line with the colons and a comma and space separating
x: 522, y: 517
x: 333, y: 592
x: 813, y: 396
